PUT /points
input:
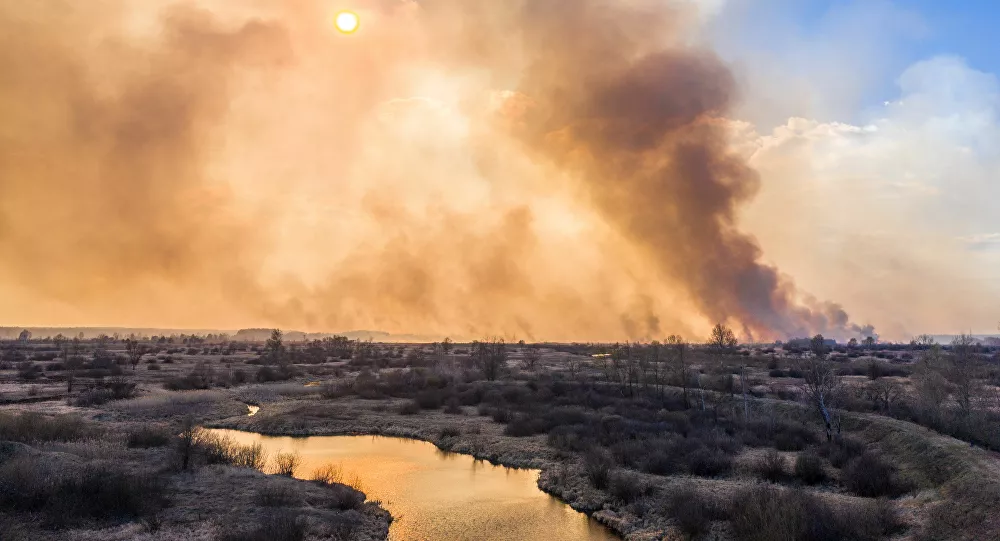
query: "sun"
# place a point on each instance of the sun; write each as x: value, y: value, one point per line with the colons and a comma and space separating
x: 347, y: 22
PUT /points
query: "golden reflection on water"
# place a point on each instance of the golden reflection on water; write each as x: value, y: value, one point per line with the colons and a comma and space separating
x: 435, y: 495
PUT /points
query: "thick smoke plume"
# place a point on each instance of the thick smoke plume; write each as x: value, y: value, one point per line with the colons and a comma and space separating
x: 543, y: 169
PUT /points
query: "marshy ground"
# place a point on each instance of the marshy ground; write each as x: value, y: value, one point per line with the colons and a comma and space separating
x: 655, y: 441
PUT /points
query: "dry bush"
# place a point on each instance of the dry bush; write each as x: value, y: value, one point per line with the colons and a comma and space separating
x: 767, y: 513
x: 692, y: 510
x: 272, y: 525
x: 30, y: 427
x: 70, y: 496
x: 809, y: 468
x: 146, y: 437
x: 276, y: 495
x: 218, y: 449
x: 627, y: 487
x: 285, y: 463
x: 329, y: 474
x: 871, y: 477
x: 771, y: 466
x: 597, y: 465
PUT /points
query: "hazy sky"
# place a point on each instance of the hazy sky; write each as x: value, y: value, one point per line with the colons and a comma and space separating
x: 534, y: 168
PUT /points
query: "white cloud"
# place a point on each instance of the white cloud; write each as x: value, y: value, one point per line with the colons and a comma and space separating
x: 924, y: 174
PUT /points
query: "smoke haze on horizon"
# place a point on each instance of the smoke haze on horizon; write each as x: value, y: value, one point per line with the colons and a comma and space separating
x: 459, y: 168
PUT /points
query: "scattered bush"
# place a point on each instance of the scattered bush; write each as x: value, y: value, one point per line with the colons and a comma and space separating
x: 410, y: 407
x: 286, y: 463
x: 67, y: 497
x: 273, y: 525
x: 809, y: 468
x: 709, y: 463
x: 453, y: 406
x: 146, y: 437
x: 771, y: 466
x: 692, y: 511
x: 276, y: 495
x: 597, y: 465
x: 31, y: 427
x: 627, y: 487
x: 765, y: 513
x: 842, y: 450
x: 869, y: 476
x: 223, y: 450
x: 450, y: 432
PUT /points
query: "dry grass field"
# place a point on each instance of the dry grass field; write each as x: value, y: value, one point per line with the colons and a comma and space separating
x: 657, y: 441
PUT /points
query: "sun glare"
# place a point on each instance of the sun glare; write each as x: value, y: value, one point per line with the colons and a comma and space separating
x: 347, y: 22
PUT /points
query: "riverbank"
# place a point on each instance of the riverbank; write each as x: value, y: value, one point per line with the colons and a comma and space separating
x: 465, y: 432
x: 96, y: 475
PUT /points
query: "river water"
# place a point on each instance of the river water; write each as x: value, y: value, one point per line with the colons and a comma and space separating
x: 435, y: 495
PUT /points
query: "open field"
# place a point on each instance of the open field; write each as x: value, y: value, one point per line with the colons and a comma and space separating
x: 658, y: 441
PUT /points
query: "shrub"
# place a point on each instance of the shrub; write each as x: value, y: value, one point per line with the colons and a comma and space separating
x: 765, y: 513
x: 523, y: 426
x: 67, y: 497
x: 286, y: 463
x: 771, y: 466
x: 153, y: 367
x: 274, y: 525
x: 146, y: 437
x: 453, y: 406
x: 276, y: 495
x: 627, y: 487
x: 450, y: 432
x: 223, y: 450
x: 809, y: 468
x: 345, y: 497
x: 430, y: 399
x: 597, y: 465
x: 31, y: 427
x: 692, y: 511
x: 329, y: 474
x: 842, y: 451
x: 869, y: 476
x: 410, y: 407
x: 709, y: 463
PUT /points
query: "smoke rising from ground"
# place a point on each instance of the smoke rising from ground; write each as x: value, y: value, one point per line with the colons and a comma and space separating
x: 462, y: 168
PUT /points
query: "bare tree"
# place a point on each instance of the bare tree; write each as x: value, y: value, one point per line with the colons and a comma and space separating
x: 723, y: 338
x: 678, y: 351
x: 883, y: 392
x: 963, y: 372
x: 446, y: 345
x: 134, y: 350
x: 869, y: 342
x: 490, y: 356
x: 531, y: 356
x: 821, y: 386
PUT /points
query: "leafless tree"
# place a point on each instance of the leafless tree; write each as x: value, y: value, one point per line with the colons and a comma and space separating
x: 678, y: 351
x: 963, y: 372
x: 883, y: 392
x: 446, y: 345
x: 134, y: 350
x: 531, y: 356
x: 723, y: 338
x: 490, y: 356
x: 821, y: 386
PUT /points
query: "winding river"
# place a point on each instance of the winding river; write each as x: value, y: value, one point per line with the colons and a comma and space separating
x: 434, y: 495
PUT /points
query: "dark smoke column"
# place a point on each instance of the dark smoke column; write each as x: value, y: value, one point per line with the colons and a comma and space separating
x: 640, y: 120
